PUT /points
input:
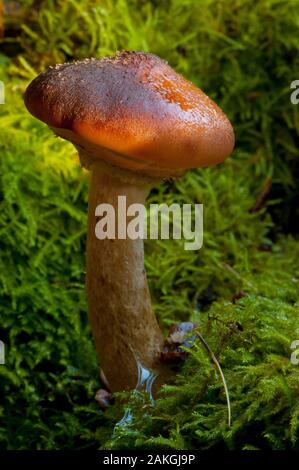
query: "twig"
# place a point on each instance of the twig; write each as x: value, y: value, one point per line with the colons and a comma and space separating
x: 214, y: 359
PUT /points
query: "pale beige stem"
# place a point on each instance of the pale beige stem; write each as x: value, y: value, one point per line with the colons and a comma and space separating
x: 123, y: 324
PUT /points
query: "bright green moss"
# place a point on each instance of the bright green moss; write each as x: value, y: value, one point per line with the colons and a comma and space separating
x: 245, y: 57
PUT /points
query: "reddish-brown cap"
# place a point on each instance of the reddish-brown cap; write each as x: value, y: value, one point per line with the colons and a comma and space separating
x: 134, y: 111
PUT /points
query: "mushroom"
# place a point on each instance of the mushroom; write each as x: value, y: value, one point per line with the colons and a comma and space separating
x: 134, y: 122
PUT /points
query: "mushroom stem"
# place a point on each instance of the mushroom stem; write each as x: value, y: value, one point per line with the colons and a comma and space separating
x: 123, y: 324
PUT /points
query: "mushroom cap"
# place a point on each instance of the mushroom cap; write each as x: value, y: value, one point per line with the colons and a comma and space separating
x: 133, y: 111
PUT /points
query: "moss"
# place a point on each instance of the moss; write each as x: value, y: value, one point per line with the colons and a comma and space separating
x: 245, y: 57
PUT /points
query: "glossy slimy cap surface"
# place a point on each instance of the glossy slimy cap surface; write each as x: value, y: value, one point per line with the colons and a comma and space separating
x: 133, y: 111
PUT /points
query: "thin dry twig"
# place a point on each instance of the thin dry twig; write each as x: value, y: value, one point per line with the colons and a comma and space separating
x: 214, y: 359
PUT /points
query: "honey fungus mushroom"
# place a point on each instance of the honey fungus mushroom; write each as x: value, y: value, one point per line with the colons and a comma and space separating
x: 134, y: 122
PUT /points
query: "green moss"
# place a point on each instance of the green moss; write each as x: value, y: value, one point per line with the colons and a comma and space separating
x: 245, y: 57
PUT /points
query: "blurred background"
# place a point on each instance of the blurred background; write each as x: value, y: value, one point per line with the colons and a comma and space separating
x: 241, y: 287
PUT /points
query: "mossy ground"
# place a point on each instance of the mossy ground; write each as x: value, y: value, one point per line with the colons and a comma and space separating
x: 244, y: 55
